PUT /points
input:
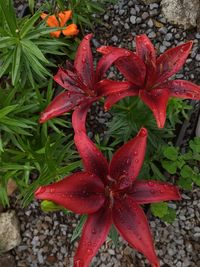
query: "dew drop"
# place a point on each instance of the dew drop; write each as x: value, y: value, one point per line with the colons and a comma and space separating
x: 41, y: 190
x: 152, y: 191
x: 128, y: 161
x: 94, y: 231
x: 86, y: 37
x: 143, y: 132
x: 135, y: 153
x: 150, y: 184
x: 83, y: 60
x: 127, y: 53
x: 89, y: 251
x: 84, y: 48
x: 136, y: 160
x: 78, y: 263
x: 52, y: 190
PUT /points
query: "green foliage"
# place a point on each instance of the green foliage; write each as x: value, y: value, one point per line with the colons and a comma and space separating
x: 183, y: 165
x: 24, y: 44
x: 50, y: 206
x: 79, y: 227
x: 163, y: 211
x: 84, y: 11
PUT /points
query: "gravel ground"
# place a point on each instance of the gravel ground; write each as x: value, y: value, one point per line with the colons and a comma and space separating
x: 46, y: 237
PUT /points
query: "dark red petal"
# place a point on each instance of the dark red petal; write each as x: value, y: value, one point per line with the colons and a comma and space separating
x: 93, y: 159
x: 183, y: 89
x: 128, y: 159
x: 84, y: 62
x: 132, y: 225
x: 69, y: 80
x: 172, y: 61
x: 61, y: 104
x: 107, y: 87
x: 114, y: 98
x: 80, y: 113
x: 131, y: 66
x: 145, y: 50
x: 144, y: 192
x: 157, y: 100
x: 93, y: 236
x: 108, y: 59
x: 80, y: 192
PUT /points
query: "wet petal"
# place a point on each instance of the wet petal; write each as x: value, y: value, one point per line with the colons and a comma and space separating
x: 84, y: 62
x: 93, y: 159
x: 145, y: 50
x: 61, y: 104
x: 69, y: 80
x: 183, y: 89
x: 114, y: 98
x: 80, y: 192
x: 107, y: 87
x: 93, y: 236
x: 157, y: 100
x: 128, y: 159
x: 80, y: 113
x: 132, y: 225
x: 172, y: 61
x: 131, y: 66
x: 144, y: 192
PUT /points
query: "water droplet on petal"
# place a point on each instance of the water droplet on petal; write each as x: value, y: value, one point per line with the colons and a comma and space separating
x: 94, y: 231
x: 150, y: 183
x: 89, y: 251
x: 128, y: 161
x: 152, y: 191
x: 135, y: 153
x: 78, y: 263
x: 136, y: 160
x: 143, y: 132
x: 127, y: 53
x: 40, y: 190
x: 84, y: 48
x: 52, y: 190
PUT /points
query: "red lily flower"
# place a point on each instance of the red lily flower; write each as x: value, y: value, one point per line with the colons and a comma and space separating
x: 110, y: 194
x: 149, y: 76
x: 82, y: 83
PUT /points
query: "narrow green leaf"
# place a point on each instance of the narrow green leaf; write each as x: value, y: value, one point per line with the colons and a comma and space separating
x: 16, y: 63
x: 7, y: 110
x: 7, y: 41
x: 7, y: 59
x: 29, y: 24
x: 7, y: 8
x: 78, y: 228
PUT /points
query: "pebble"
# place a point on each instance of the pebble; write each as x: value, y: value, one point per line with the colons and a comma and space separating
x: 133, y: 19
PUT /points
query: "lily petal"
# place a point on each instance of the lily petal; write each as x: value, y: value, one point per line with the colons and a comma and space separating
x: 80, y: 113
x: 69, y: 80
x: 111, y: 56
x: 183, y: 89
x: 93, y: 236
x: 132, y: 225
x: 61, y: 104
x: 157, y: 100
x: 80, y: 192
x: 71, y: 30
x: 130, y: 65
x: 145, y: 50
x: 114, y: 98
x: 172, y: 61
x: 93, y: 159
x: 107, y: 87
x: 52, y: 21
x: 127, y: 161
x: 144, y: 192
x: 84, y: 62
x: 64, y: 17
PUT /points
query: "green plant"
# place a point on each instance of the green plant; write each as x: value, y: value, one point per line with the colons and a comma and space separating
x: 184, y: 166
x: 24, y: 44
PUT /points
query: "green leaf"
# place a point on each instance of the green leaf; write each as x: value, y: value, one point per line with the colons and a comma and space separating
x: 31, y: 4
x: 195, y: 145
x: 7, y: 8
x: 8, y: 41
x: 49, y: 206
x: 34, y: 50
x: 16, y: 64
x: 171, y: 153
x: 7, y: 110
x: 7, y: 59
x: 79, y: 227
x: 170, y: 216
x: 196, y: 178
x: 186, y: 171
x: 114, y: 235
x: 157, y: 172
x: 29, y: 24
x: 169, y: 166
x: 185, y: 183
x: 159, y: 209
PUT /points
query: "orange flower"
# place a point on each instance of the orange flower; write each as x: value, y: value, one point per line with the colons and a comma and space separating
x: 60, y: 21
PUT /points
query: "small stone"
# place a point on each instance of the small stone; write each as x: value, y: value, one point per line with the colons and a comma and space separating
x: 152, y: 35
x: 168, y: 36
x: 197, y: 57
x: 145, y: 15
x: 126, y: 26
x: 150, y: 23
x: 111, y: 251
x: 133, y: 19
x: 114, y: 38
x: 7, y: 260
